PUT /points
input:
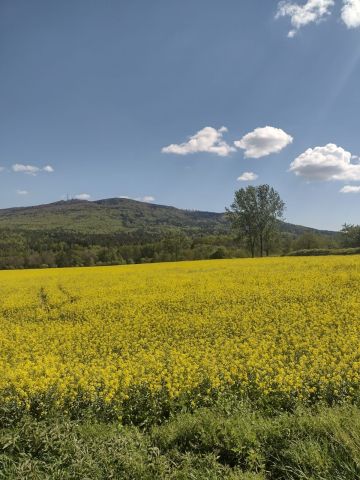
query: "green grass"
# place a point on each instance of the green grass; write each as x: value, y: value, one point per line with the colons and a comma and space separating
x: 228, y: 441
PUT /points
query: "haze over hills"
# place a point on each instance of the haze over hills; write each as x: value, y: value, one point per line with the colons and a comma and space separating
x: 115, y: 215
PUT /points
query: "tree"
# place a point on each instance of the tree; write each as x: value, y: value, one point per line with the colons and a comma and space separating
x: 174, y: 243
x: 351, y: 235
x: 272, y: 240
x: 219, y: 253
x: 254, y: 214
x: 309, y: 240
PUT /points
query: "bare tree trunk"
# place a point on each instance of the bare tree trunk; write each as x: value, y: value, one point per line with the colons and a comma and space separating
x: 252, y: 245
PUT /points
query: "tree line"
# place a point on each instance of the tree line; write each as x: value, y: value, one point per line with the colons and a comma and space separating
x: 254, y: 217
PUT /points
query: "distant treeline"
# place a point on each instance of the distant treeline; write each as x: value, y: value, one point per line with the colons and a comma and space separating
x: 347, y: 244
x: 321, y: 252
x: 39, y: 249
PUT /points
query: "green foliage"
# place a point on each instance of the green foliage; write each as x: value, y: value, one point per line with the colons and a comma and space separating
x: 113, y: 215
x: 120, y: 231
x: 309, y: 240
x: 239, y: 442
x: 62, y: 249
x: 351, y: 235
x: 255, y: 215
x: 315, y: 252
x: 219, y: 253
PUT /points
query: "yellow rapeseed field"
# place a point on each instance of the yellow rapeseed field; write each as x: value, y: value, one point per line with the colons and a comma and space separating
x: 277, y: 326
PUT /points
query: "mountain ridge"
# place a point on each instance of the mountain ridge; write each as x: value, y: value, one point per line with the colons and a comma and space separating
x: 115, y: 215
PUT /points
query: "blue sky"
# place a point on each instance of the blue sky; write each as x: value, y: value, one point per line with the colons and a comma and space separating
x: 101, y: 99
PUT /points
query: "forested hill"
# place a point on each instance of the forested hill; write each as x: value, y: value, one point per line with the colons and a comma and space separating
x: 119, y: 215
x: 112, y: 215
x: 120, y: 230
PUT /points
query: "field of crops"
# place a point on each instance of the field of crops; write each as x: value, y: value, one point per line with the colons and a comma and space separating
x: 115, y: 339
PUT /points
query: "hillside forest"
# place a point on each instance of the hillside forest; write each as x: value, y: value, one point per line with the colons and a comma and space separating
x: 123, y: 231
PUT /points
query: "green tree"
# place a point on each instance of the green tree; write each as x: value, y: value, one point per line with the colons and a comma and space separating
x: 308, y: 241
x: 174, y: 243
x: 254, y: 215
x: 351, y: 235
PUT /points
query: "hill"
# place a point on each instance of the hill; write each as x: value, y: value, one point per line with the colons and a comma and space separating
x: 119, y: 215
x: 111, y: 215
x: 119, y: 230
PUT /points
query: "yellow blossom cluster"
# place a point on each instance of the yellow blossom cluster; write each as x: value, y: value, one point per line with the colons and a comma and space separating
x: 287, y: 326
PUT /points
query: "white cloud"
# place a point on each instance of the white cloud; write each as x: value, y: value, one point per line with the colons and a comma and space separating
x: 31, y: 169
x: 301, y: 15
x: 82, y: 196
x: 329, y: 162
x: 350, y: 189
x: 28, y: 169
x: 350, y: 13
x: 207, y: 140
x: 146, y: 199
x: 22, y: 192
x: 313, y: 11
x: 2, y: 169
x: 247, y: 177
x: 263, y: 141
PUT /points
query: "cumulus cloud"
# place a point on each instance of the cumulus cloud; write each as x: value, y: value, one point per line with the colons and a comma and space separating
x: 300, y: 15
x: 146, y: 199
x: 31, y: 169
x: 247, y: 177
x: 263, y: 141
x: 28, y: 169
x: 313, y: 11
x: 329, y: 162
x: 22, y: 192
x: 207, y: 140
x: 82, y: 196
x: 350, y: 189
x: 350, y: 13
